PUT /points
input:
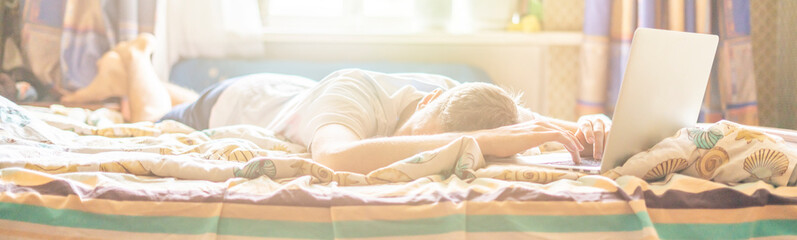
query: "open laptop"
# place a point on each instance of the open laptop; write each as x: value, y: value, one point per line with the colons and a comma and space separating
x: 661, y: 92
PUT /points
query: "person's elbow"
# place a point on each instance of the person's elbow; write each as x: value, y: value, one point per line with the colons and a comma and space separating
x: 334, y: 146
x: 327, y: 159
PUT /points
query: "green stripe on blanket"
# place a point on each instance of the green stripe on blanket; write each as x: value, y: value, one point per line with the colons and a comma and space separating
x: 388, y: 228
x: 161, y: 224
x: 755, y: 229
x: 293, y: 229
x: 561, y: 224
x: 275, y: 229
x: 126, y: 223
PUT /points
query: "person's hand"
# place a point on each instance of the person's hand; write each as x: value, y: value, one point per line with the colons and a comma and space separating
x: 509, y: 140
x: 593, y: 130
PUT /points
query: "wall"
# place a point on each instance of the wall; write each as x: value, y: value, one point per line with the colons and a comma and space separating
x: 563, y: 62
x: 513, y: 60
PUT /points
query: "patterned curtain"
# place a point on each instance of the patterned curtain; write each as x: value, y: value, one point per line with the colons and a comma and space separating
x: 775, y: 58
x: 609, y: 26
x: 62, y: 39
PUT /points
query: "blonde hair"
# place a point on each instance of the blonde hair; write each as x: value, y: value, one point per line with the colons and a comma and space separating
x: 474, y: 106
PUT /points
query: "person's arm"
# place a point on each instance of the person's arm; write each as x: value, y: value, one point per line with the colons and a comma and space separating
x: 339, y: 148
x: 591, y: 130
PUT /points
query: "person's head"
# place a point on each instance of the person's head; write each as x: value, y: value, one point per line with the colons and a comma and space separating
x: 467, y: 107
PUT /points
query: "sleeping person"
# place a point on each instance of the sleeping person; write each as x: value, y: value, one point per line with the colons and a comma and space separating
x: 352, y: 120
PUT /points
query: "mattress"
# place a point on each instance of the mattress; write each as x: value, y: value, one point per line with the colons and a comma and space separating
x: 78, y: 174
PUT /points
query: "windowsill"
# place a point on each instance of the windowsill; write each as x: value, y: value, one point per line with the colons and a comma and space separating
x: 487, y: 37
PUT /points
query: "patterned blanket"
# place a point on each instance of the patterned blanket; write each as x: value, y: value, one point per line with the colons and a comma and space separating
x: 35, y: 139
x: 724, y: 152
x: 76, y: 173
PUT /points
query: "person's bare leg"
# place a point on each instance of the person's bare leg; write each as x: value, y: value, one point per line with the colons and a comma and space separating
x: 180, y: 95
x: 110, y: 81
x: 149, y: 99
x: 126, y: 72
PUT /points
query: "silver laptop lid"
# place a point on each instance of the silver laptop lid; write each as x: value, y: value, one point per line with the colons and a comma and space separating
x: 661, y: 92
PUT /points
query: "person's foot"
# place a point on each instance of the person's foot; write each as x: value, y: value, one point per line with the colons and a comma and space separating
x: 149, y: 99
x: 110, y: 81
x: 113, y: 78
x: 141, y: 47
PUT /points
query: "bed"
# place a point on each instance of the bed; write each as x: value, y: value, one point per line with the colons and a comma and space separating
x: 78, y: 173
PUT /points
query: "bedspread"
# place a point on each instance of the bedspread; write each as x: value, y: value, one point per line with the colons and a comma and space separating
x: 724, y: 152
x: 60, y: 177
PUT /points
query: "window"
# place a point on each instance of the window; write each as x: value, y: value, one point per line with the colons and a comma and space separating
x: 385, y: 16
x: 304, y: 8
x: 337, y: 15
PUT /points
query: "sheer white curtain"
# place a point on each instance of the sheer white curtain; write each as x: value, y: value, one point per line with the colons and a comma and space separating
x: 206, y: 28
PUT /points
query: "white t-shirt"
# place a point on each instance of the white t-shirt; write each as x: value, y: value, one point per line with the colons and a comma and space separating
x: 369, y: 103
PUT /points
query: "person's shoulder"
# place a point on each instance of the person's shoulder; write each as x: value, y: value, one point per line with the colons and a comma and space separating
x: 354, y: 79
x: 348, y: 73
x: 272, y: 77
x: 269, y: 80
x: 434, y: 80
